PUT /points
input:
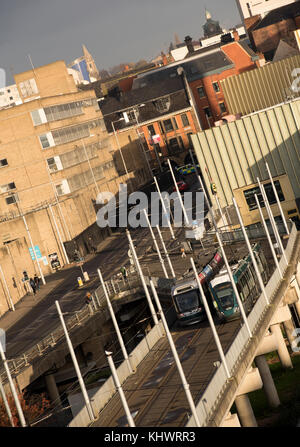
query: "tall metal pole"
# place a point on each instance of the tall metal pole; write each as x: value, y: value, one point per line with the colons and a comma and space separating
x: 166, y: 252
x: 268, y: 209
x: 90, y: 166
x: 205, y: 195
x: 120, y: 389
x: 268, y: 236
x: 137, y: 263
x: 164, y: 208
x: 272, y: 220
x: 277, y: 200
x: 254, y: 262
x: 77, y: 369
x: 12, y: 387
x: 156, y: 246
x: 220, y: 210
x: 64, y: 226
x: 33, y: 249
x: 178, y: 194
x: 5, y: 401
x: 140, y: 143
x: 211, y: 321
x: 115, y: 323
x: 7, y: 290
x: 119, y: 147
x: 234, y: 286
x: 185, y: 384
x: 59, y: 236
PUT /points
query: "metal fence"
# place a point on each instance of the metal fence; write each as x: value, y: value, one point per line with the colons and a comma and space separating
x: 72, y: 320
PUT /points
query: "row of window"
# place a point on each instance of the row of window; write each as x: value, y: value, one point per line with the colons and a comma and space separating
x: 67, y: 134
x: 250, y: 195
x: 201, y: 90
x: 72, y: 158
x: 169, y: 125
x: 61, y: 111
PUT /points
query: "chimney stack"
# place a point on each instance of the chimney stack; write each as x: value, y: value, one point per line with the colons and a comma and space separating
x: 189, y: 44
x: 235, y: 35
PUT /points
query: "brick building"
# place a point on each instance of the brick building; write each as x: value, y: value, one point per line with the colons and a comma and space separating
x: 204, y: 69
x: 161, y: 115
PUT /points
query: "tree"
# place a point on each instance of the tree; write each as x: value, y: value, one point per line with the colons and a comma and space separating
x: 33, y: 407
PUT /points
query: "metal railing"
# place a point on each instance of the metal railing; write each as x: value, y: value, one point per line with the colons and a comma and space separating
x: 215, y: 389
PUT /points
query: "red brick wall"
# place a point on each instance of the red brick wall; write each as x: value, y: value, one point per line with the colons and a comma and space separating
x: 267, y: 39
x: 181, y: 131
x: 242, y: 61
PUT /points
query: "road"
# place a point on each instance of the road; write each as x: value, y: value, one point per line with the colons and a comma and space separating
x: 155, y: 394
x: 42, y: 318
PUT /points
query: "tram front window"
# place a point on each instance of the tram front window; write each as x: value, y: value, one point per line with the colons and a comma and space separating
x: 225, y: 295
x: 187, y: 301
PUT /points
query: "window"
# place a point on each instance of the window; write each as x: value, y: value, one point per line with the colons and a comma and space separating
x: 222, y: 107
x: 28, y: 88
x: 207, y: 111
x: 8, y: 187
x: 38, y: 117
x: 46, y: 140
x: 129, y: 116
x: 201, y: 92
x: 151, y: 130
x: 250, y: 198
x: 184, y: 119
x: 216, y: 87
x: 71, y: 133
x: 190, y: 139
x: 3, y: 162
x: 8, y: 91
x: 160, y: 127
x: 168, y: 125
x: 175, y: 144
x: 12, y: 199
x: 175, y: 123
x: 11, y: 98
x: 162, y: 104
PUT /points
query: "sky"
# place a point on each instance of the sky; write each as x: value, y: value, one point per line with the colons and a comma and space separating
x: 114, y: 31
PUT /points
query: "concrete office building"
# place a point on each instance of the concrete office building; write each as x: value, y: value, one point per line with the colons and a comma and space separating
x: 55, y: 151
x: 9, y: 96
x: 233, y: 155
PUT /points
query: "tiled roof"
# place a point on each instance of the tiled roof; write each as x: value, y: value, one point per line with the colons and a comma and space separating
x: 213, y: 60
x: 141, y: 95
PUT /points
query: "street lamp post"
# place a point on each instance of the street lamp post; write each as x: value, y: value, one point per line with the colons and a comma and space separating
x: 141, y: 145
x: 181, y: 72
x: 90, y: 166
x: 120, y: 150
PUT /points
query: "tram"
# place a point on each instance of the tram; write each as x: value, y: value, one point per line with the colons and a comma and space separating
x: 186, y: 294
x: 244, y: 275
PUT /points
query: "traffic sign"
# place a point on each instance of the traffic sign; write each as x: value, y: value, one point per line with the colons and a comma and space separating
x: 37, y: 252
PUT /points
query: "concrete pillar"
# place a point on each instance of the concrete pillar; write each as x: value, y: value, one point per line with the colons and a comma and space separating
x: 268, y: 382
x: 245, y: 412
x: 289, y: 328
x: 282, y: 350
x: 52, y: 389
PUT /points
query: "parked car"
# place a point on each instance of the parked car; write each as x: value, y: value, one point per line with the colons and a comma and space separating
x: 182, y: 186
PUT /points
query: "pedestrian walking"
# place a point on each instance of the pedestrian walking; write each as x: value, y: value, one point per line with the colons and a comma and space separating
x: 183, y: 255
x: 32, y: 285
x: 36, y: 281
x: 88, y: 298
x: 124, y: 272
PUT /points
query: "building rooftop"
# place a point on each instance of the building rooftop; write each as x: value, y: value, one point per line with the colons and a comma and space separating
x: 208, y: 61
x: 277, y: 15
